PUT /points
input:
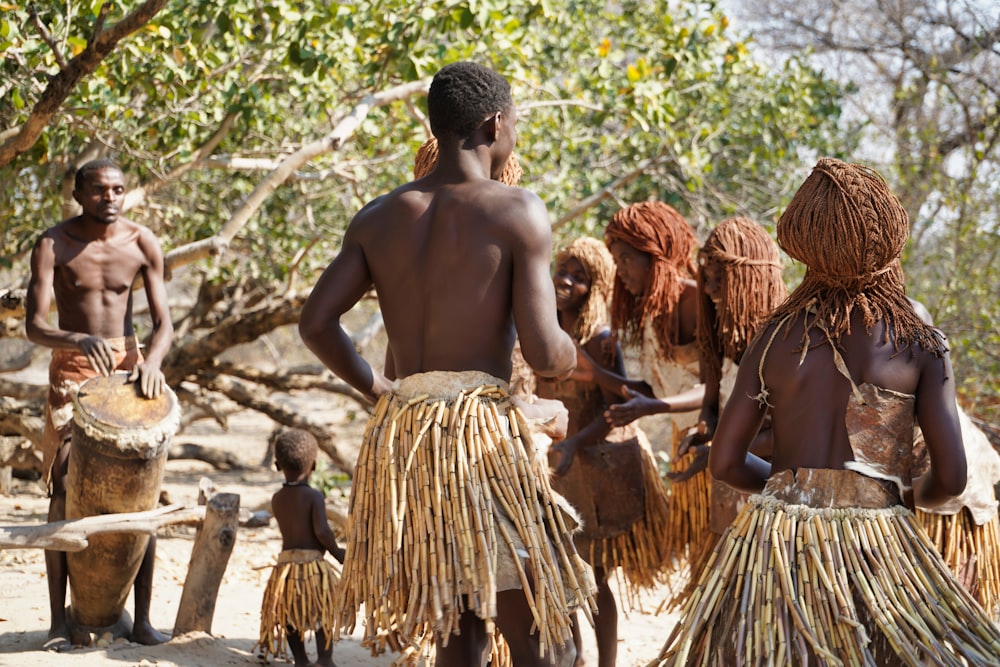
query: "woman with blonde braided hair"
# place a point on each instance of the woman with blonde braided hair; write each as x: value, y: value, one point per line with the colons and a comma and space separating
x: 826, y: 563
x: 607, y: 473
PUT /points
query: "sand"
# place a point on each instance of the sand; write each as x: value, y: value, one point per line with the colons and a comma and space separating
x: 24, y: 615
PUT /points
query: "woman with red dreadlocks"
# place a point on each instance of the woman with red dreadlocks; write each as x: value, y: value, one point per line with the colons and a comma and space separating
x: 826, y: 563
x: 739, y: 286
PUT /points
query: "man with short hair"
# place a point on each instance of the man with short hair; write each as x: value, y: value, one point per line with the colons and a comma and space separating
x: 453, y: 526
x: 88, y: 263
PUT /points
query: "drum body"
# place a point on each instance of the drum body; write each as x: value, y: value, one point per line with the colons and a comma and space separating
x: 116, y: 464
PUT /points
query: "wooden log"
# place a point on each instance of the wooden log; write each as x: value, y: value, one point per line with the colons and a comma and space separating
x: 73, y: 534
x: 209, y: 557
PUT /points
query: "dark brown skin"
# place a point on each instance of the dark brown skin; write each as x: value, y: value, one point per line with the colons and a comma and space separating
x: 88, y: 264
x: 810, y: 401
x: 572, y: 291
x: 460, y: 264
x: 300, y: 512
x: 640, y: 401
x: 413, y: 243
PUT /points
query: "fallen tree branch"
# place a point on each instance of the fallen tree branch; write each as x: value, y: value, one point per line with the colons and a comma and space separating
x: 294, y: 381
x: 256, y: 398
x: 73, y: 534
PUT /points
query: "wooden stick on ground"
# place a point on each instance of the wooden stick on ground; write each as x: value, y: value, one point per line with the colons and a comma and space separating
x: 71, y: 535
x: 209, y: 557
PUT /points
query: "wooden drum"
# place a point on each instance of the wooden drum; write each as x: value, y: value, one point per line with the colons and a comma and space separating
x: 116, y: 464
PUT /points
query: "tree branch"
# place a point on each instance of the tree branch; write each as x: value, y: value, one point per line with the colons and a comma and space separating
x: 101, y: 43
x: 258, y: 399
x: 138, y: 195
x: 607, y: 192
x: 331, y: 142
x: 47, y: 36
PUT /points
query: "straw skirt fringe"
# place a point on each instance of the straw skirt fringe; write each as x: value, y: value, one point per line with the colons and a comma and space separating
x: 838, y: 586
x: 299, y: 594
x: 642, y: 551
x: 447, y: 510
x: 972, y: 553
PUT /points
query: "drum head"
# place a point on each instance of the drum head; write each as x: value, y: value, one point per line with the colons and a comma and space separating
x: 117, y: 403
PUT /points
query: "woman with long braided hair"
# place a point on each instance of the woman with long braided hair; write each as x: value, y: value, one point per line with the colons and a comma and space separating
x: 739, y: 286
x: 826, y: 563
x: 607, y: 473
x: 653, y: 308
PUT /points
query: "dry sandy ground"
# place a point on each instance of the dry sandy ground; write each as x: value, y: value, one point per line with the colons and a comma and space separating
x: 24, y: 613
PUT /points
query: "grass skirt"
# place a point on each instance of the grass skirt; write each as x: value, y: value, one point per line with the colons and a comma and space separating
x: 447, y: 509
x: 642, y: 551
x: 971, y: 551
x: 855, y: 585
x: 299, y: 595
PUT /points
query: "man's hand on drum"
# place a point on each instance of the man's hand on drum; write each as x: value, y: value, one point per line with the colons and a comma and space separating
x: 151, y: 380
x: 99, y: 352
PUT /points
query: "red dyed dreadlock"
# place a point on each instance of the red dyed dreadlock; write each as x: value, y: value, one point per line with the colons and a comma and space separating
x: 658, y: 230
x: 427, y: 158
x: 751, y: 289
x: 849, y: 229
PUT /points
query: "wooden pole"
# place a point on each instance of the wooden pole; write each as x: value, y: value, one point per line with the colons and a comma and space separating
x: 209, y: 557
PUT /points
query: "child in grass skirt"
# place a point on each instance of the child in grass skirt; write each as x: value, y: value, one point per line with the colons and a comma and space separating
x: 299, y: 593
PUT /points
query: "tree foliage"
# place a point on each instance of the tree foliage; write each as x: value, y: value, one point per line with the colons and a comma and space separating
x: 265, y: 126
x: 925, y: 80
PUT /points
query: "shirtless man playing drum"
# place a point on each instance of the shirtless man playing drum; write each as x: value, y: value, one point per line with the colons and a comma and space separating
x: 88, y: 263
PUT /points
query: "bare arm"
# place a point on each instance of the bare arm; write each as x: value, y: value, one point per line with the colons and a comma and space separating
x: 598, y: 428
x: 341, y: 286
x: 937, y: 415
x: 150, y: 376
x: 546, y: 347
x: 729, y: 459
x: 321, y: 528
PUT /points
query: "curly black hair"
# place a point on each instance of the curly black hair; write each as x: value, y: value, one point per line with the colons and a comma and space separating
x: 79, y: 179
x: 295, y: 451
x: 463, y: 95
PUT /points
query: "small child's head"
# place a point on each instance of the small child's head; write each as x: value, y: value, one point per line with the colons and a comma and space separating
x: 295, y: 452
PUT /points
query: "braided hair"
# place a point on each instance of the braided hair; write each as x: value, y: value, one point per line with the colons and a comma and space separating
x: 658, y: 230
x: 427, y: 157
x: 600, y: 268
x: 751, y: 289
x: 848, y: 228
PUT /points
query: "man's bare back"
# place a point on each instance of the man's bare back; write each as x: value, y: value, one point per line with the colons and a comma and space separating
x: 441, y: 258
x: 458, y: 261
